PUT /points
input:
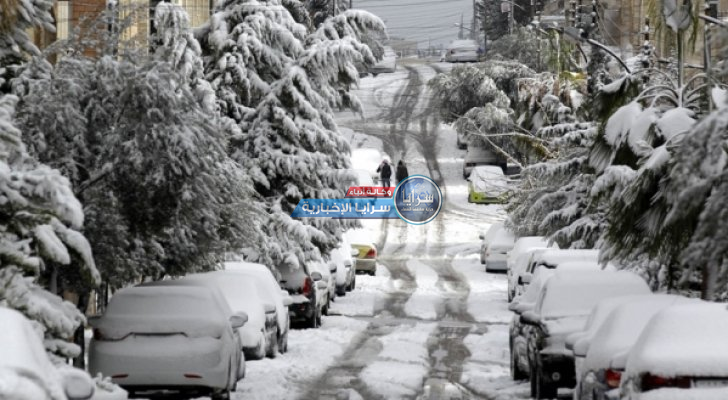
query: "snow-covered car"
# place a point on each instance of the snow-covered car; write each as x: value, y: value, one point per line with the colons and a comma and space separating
x: 563, y: 307
x: 517, y: 335
x: 168, y: 338
x: 495, y: 246
x: 487, y: 184
x: 259, y: 335
x: 387, y: 64
x: 476, y: 156
x: 345, y: 273
x: 681, y: 354
x: 328, y: 272
x: 519, y: 256
x: 462, y: 51
x: 308, y: 291
x: 26, y: 372
x: 552, y: 259
x: 271, y: 292
x: 601, y: 349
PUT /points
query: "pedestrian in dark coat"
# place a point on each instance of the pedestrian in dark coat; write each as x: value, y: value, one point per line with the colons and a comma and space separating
x: 401, y: 173
x: 385, y: 173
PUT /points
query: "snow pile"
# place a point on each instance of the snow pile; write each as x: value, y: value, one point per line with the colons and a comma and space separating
x: 400, y: 368
x: 362, y: 300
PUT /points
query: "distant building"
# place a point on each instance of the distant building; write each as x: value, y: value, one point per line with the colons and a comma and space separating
x: 79, y: 14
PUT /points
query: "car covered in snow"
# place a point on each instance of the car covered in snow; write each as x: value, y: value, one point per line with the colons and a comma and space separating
x: 328, y: 273
x: 387, y: 64
x: 519, y: 256
x: 495, y: 246
x: 681, y: 354
x: 552, y: 259
x: 487, y: 184
x: 308, y: 292
x: 26, y: 372
x: 342, y: 257
x: 465, y: 50
x: 601, y: 349
x: 563, y: 307
x: 161, y: 338
x: 477, y: 155
x: 517, y: 333
x: 271, y: 292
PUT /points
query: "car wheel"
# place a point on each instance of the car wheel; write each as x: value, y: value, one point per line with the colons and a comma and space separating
x: 516, y: 372
x: 318, y: 319
x: 543, y: 390
x: 325, y: 309
x: 283, y: 343
x: 510, y: 296
x: 341, y: 292
x: 223, y: 394
x: 273, y: 348
x: 261, y: 350
x: 372, y: 273
x: 353, y: 283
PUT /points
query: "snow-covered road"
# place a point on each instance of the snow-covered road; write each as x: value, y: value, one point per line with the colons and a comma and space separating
x: 431, y: 324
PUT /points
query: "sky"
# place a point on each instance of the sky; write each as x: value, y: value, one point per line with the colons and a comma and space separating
x: 421, y: 20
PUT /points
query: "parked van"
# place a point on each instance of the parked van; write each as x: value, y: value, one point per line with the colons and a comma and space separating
x: 481, y: 156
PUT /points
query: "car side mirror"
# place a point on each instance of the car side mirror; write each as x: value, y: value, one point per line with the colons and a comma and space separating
x: 333, y: 267
x: 239, y: 319
x: 524, y: 279
x: 354, y: 252
x: 530, y: 318
x: 481, y: 236
x: 77, y: 384
x: 269, y: 308
x: 287, y: 300
x: 322, y: 285
x: 513, y: 306
x: 316, y: 276
x: 93, y: 320
x: 581, y: 347
x: 573, y: 338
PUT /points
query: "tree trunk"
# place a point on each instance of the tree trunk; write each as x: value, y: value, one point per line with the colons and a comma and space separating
x: 78, y: 337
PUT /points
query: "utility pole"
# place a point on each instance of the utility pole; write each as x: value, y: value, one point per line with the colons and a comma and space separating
x: 462, y: 20
x: 333, y: 7
x: 474, y: 24
x: 485, y: 31
x: 351, y: 4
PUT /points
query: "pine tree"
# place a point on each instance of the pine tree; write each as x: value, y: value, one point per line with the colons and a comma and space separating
x: 40, y: 219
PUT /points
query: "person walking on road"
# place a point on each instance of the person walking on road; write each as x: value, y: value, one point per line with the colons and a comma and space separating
x: 385, y: 173
x: 401, y: 173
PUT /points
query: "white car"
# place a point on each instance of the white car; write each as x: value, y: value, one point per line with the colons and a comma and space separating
x: 345, y: 272
x: 26, y: 372
x: 168, y: 338
x: 681, y: 354
x: 487, y: 184
x: 600, y: 351
x: 387, y: 64
x: 462, y: 51
x: 328, y: 272
x: 271, y: 292
x: 552, y: 259
x: 495, y: 246
x: 518, y: 257
x: 259, y: 335
x: 476, y: 156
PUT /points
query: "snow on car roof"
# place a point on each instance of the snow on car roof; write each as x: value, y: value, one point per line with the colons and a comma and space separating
x: 617, y: 323
x: 505, y: 240
x: 683, y: 340
x: 240, y: 291
x: 575, y: 293
x: 462, y: 44
x: 553, y: 257
x: 164, y: 307
x: 488, y: 171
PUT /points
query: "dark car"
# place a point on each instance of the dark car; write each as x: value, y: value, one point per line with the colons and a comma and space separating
x: 305, y: 287
x: 563, y: 307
